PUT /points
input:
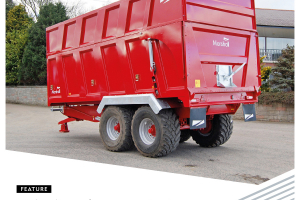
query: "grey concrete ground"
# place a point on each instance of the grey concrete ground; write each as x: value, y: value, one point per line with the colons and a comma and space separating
x: 256, y: 152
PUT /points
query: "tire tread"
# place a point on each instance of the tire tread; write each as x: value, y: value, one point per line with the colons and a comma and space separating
x: 126, y: 142
x: 171, y: 134
x: 223, y: 133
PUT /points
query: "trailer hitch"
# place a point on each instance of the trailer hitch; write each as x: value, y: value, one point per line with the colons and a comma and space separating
x: 61, y: 109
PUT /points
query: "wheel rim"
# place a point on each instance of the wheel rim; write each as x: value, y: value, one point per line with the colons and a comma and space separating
x: 147, y: 131
x: 113, y: 128
x: 208, y: 130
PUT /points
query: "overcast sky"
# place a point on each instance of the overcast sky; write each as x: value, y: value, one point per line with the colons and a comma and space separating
x: 272, y: 4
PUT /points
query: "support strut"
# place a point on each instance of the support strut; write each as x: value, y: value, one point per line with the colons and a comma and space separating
x: 64, y: 125
x: 64, y: 128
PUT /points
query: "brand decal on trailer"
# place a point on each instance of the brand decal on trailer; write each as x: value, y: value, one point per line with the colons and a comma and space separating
x: 224, y: 43
x: 57, y: 91
x: 164, y: 1
x: 248, y: 116
x: 198, y: 122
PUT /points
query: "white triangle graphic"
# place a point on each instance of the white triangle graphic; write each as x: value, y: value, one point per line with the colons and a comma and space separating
x: 198, y: 122
x: 164, y: 1
x: 248, y: 116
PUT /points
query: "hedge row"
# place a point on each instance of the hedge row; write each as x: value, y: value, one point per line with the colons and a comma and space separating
x: 267, y: 98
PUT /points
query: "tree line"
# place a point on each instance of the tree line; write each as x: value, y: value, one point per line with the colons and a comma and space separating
x: 26, y: 25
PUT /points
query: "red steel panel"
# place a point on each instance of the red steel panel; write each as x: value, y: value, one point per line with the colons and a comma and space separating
x: 113, y: 69
x: 54, y: 79
x: 220, y: 43
x: 111, y: 22
x: 135, y: 16
x: 164, y: 11
x: 171, y: 70
x: 244, y: 7
x: 168, y: 56
x: 139, y: 61
x: 52, y: 42
x: 88, y: 29
x: 217, y: 17
x: 91, y: 72
x: 71, y: 75
x: 69, y: 35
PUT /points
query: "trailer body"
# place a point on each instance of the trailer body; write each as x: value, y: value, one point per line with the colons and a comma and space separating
x: 194, y: 56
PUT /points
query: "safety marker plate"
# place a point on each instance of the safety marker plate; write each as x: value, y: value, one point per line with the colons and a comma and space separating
x: 197, y: 118
x: 249, y: 112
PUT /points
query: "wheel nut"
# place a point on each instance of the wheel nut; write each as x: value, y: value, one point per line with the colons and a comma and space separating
x: 117, y: 127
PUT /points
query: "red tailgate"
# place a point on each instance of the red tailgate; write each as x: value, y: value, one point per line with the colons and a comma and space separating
x: 220, y: 38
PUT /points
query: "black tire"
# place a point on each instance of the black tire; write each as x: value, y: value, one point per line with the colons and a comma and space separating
x: 221, y: 131
x: 123, y: 141
x: 184, y: 136
x: 167, y: 130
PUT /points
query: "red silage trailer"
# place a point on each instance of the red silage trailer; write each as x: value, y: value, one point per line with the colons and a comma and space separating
x: 155, y: 72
